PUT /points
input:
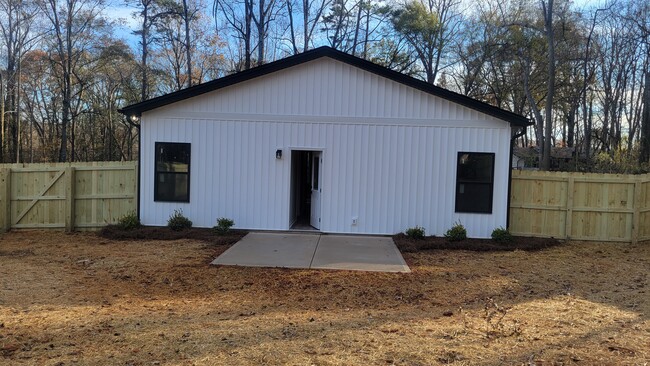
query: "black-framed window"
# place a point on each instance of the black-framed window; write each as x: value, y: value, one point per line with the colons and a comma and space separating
x: 474, y: 182
x: 172, y: 180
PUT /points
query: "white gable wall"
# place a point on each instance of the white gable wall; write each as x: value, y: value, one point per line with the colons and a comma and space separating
x: 389, y: 152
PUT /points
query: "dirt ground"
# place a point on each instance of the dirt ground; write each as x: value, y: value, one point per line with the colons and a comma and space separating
x: 78, y: 299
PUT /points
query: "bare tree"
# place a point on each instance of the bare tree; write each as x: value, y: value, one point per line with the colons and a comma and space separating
x: 174, y: 51
x: 171, y: 56
x: 236, y: 17
x: 547, y: 9
x: 17, y: 37
x: 644, y: 156
x: 429, y: 27
x: 188, y: 14
x: 151, y: 13
x: 588, y: 71
x: 262, y: 18
x: 73, y: 25
x: 642, y: 20
x: 311, y: 11
x: 337, y: 23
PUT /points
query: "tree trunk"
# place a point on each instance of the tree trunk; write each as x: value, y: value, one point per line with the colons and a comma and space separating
x: 261, y: 33
x: 571, y: 125
x: 145, y: 50
x: 548, y: 130
x: 366, y: 35
x: 67, y: 81
x: 644, y: 156
x: 589, y: 127
x: 539, y: 119
x: 292, y: 32
x: 337, y: 39
x: 2, y: 119
x: 356, y: 29
x: 188, y: 47
x: 248, y: 17
x: 10, y: 39
x: 586, y: 113
x: 305, y: 24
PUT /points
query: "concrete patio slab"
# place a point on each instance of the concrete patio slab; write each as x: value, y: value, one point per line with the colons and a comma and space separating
x: 271, y: 250
x: 293, y: 250
x: 358, y: 253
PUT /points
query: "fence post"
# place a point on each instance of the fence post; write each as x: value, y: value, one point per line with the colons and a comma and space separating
x: 568, y: 220
x: 5, y: 189
x: 69, y: 199
x: 636, y: 216
x: 136, y: 189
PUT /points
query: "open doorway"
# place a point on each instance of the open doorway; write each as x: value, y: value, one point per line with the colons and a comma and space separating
x: 305, y: 190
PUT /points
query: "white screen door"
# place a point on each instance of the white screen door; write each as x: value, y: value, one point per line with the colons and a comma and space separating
x: 316, y: 189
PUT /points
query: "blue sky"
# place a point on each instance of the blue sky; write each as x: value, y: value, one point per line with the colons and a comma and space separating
x: 121, y: 13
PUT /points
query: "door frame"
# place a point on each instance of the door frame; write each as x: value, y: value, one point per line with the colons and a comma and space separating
x: 290, y: 150
x: 316, y: 179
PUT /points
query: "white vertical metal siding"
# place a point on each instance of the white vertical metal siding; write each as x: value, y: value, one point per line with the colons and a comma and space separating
x: 389, y: 152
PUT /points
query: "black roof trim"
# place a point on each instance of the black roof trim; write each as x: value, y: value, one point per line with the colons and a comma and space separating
x: 138, y: 108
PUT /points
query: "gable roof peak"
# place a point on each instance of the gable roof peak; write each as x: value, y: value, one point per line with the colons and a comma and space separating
x: 313, y: 54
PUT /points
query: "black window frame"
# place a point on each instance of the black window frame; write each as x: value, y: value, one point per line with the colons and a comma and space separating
x: 156, y: 193
x: 460, y: 180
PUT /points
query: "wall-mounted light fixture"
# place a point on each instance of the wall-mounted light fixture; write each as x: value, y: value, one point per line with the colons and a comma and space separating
x: 278, y: 154
x: 135, y: 118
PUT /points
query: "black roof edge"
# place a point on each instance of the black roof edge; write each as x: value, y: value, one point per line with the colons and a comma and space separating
x: 325, y: 51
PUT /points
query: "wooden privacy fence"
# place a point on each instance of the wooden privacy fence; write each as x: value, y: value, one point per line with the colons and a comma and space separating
x: 601, y: 207
x: 597, y: 207
x: 66, y: 195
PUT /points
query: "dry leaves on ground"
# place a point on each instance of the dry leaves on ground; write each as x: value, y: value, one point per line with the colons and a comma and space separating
x: 79, y: 299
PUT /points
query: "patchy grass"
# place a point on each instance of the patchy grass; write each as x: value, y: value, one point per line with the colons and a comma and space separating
x: 411, y: 245
x: 83, y: 299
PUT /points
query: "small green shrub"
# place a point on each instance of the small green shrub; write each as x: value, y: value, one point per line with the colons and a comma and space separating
x: 177, y: 221
x: 501, y: 235
x: 415, y: 232
x: 456, y: 233
x: 129, y: 221
x: 223, y: 225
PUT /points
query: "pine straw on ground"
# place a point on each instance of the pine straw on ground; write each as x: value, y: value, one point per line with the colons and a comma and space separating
x: 79, y: 299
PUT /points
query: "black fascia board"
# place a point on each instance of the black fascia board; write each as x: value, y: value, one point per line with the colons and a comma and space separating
x: 138, y: 108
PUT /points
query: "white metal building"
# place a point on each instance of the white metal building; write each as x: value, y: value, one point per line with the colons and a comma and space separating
x: 326, y: 140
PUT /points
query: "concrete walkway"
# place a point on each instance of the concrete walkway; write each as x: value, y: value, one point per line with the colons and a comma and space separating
x: 289, y: 250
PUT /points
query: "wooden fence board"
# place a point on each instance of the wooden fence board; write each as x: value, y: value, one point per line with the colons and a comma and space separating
x: 599, y: 207
x: 70, y: 195
x: 644, y: 211
x: 5, y: 199
x: 42, y: 191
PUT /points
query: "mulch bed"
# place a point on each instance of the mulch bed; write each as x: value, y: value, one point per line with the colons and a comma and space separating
x: 115, y: 232
x: 407, y: 244
x: 404, y: 243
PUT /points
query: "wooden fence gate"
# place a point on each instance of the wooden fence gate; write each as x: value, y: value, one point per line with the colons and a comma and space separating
x: 71, y: 196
